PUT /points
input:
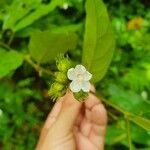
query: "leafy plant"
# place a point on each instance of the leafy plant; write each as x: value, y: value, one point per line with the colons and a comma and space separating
x: 34, y: 32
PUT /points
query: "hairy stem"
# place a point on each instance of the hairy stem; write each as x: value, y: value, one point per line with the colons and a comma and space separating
x: 37, y: 67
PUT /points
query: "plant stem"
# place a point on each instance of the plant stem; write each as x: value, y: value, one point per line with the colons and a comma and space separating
x: 11, y: 39
x: 112, y: 115
x: 37, y: 67
x: 128, y: 133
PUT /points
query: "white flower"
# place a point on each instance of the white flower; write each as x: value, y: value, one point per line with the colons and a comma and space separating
x: 80, y: 79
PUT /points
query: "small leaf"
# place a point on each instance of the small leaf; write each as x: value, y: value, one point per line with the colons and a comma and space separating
x: 45, y: 46
x: 142, y: 122
x: 99, y: 40
x: 9, y: 61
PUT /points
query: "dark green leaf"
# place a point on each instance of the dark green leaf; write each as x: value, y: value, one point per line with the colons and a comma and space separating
x: 45, y: 46
x: 99, y: 41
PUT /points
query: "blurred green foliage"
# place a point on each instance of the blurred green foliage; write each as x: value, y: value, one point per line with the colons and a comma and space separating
x: 24, y: 100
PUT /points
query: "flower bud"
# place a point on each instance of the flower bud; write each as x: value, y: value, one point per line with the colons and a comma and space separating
x: 56, y: 87
x: 64, y: 64
x: 61, y: 77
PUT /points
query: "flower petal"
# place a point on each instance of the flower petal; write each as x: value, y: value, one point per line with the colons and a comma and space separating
x: 75, y: 86
x: 87, y: 76
x: 71, y: 74
x: 86, y: 86
x: 79, y: 69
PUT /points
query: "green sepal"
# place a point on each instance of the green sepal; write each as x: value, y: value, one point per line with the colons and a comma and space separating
x: 80, y: 96
x: 63, y: 63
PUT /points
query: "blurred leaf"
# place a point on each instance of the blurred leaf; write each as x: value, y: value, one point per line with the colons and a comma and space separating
x: 26, y: 82
x: 115, y: 134
x: 41, y: 11
x: 99, y: 40
x: 3, y: 3
x: 2, y: 52
x: 9, y: 61
x: 45, y: 46
x: 26, y: 32
x: 128, y: 100
x: 142, y: 122
x: 17, y: 10
x: 136, y: 78
x: 139, y: 135
x: 69, y: 28
x: 145, y: 42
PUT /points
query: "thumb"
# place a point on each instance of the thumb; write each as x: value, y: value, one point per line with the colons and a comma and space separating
x: 68, y: 114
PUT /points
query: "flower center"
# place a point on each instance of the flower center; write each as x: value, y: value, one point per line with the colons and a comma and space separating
x: 80, y: 77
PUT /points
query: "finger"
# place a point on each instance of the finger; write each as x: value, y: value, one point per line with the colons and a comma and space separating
x: 68, y: 114
x: 93, y: 89
x: 86, y: 123
x: 54, y: 113
x: 84, y: 143
x: 91, y: 101
x: 50, y: 120
x: 80, y: 117
x: 98, y: 129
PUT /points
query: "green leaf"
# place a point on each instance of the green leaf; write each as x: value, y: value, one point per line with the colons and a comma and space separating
x: 128, y: 100
x: 41, y: 11
x: 99, y: 40
x: 69, y: 28
x: 115, y: 134
x: 3, y: 3
x: 9, y: 61
x: 17, y: 10
x: 139, y: 135
x: 21, y: 14
x: 142, y: 122
x: 45, y: 46
x: 26, y: 32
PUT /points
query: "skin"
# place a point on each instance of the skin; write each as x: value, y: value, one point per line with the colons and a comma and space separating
x: 72, y: 125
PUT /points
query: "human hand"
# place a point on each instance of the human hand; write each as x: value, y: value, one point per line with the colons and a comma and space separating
x: 72, y: 125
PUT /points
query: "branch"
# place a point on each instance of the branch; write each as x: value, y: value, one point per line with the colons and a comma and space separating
x: 37, y: 67
x: 128, y: 133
